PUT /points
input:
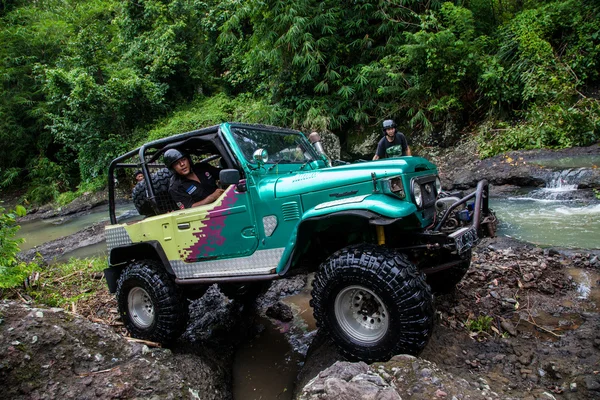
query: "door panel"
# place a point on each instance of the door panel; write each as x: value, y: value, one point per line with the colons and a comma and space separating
x: 221, y: 229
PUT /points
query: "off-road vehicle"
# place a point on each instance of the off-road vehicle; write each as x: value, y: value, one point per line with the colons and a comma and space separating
x: 380, y: 235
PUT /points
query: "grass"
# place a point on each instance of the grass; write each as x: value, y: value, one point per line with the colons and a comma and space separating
x: 483, y: 323
x: 77, y: 286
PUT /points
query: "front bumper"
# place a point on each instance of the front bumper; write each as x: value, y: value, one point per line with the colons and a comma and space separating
x: 467, y: 237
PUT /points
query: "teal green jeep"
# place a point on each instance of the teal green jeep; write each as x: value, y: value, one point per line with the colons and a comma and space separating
x: 380, y: 236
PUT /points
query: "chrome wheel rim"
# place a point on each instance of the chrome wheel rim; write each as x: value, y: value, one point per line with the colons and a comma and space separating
x: 140, y: 307
x: 361, y: 314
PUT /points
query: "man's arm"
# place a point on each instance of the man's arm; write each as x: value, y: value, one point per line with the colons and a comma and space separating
x: 380, y: 152
x: 404, y: 142
x: 209, y: 199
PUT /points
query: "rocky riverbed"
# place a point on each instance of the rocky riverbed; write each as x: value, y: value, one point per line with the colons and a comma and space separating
x: 523, y: 324
x: 542, y: 341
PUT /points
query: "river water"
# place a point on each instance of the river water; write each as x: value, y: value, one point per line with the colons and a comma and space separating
x: 267, y: 366
x: 571, y: 224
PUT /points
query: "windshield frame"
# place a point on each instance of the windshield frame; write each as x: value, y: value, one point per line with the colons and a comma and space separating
x: 282, y: 145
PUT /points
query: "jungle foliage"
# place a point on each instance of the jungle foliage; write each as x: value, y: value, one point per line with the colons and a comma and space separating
x: 82, y: 82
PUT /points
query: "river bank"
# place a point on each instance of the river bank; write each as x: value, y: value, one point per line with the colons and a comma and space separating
x: 543, y: 340
x: 523, y: 324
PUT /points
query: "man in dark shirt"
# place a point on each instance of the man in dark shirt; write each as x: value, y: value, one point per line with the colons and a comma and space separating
x: 191, y: 185
x: 391, y: 138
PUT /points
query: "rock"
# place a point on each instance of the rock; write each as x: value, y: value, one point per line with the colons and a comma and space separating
x: 280, y: 311
x: 573, y: 387
x: 508, y: 327
x: 331, y: 145
x: 70, y: 351
x: 591, y: 382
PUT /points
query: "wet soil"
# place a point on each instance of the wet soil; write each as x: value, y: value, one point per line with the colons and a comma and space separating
x: 525, y: 321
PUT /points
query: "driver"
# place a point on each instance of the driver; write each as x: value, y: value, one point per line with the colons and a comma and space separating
x: 391, y: 138
x: 191, y: 185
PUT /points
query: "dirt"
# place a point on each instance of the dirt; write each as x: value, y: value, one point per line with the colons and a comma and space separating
x: 544, y: 326
x: 523, y: 324
x: 543, y: 336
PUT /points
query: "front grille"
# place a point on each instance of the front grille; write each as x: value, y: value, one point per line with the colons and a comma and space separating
x: 428, y: 196
x: 428, y: 192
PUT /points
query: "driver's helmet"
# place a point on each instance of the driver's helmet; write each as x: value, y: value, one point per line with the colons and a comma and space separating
x: 171, y: 156
x: 388, y: 123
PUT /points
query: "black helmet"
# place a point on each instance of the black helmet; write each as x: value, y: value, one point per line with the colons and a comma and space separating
x: 171, y: 156
x: 388, y: 123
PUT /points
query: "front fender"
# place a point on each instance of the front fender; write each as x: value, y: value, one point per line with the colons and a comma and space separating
x: 379, y: 209
x: 385, y: 205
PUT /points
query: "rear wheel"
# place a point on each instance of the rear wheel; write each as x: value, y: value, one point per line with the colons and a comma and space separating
x: 373, y: 302
x: 150, y: 304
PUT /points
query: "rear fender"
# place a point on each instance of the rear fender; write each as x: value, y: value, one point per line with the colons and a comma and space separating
x: 120, y: 257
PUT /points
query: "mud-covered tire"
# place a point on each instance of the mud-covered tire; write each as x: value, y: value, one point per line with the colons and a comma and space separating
x: 374, y: 303
x: 445, y: 281
x: 150, y: 304
x: 160, y: 184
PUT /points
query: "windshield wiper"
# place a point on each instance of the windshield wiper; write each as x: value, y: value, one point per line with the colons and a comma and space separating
x: 304, y: 165
x: 277, y: 163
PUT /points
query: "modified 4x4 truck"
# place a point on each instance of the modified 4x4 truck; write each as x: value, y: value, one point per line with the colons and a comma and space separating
x: 379, y: 235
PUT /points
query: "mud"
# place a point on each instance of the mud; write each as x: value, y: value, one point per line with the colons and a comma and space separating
x: 541, y: 339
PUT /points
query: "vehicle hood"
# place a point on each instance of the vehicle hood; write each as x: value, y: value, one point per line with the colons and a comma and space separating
x: 332, y: 177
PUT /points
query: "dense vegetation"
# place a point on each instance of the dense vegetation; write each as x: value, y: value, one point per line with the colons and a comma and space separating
x: 83, y: 81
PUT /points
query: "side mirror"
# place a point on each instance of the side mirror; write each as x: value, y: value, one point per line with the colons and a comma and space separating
x: 261, y: 156
x: 229, y: 177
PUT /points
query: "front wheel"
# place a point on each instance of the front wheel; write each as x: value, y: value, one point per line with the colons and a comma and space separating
x: 373, y: 302
x: 150, y: 304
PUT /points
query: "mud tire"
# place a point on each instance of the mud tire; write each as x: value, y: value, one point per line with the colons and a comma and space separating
x: 445, y: 281
x: 150, y: 304
x: 160, y: 183
x: 389, y: 286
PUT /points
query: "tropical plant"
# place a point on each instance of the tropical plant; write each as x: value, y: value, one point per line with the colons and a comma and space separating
x: 12, y: 270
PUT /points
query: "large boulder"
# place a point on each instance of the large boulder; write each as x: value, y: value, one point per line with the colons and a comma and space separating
x: 47, y: 353
x: 403, y: 377
x: 331, y: 145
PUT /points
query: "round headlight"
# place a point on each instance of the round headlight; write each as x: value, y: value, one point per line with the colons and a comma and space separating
x: 438, y: 186
x: 418, y: 195
x: 260, y: 156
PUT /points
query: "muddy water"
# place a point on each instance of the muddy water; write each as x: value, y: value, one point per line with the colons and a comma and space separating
x: 586, y: 161
x: 588, y: 286
x: 303, y: 312
x: 37, y: 232
x: 41, y: 231
x: 266, y: 367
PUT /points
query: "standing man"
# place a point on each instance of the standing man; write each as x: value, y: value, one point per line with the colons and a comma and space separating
x: 191, y: 185
x: 391, y: 138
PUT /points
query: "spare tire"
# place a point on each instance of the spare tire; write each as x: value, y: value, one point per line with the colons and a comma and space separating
x: 160, y: 185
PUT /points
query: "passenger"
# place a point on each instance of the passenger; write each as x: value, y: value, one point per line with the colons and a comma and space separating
x: 391, y: 138
x: 191, y: 185
x: 139, y: 176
